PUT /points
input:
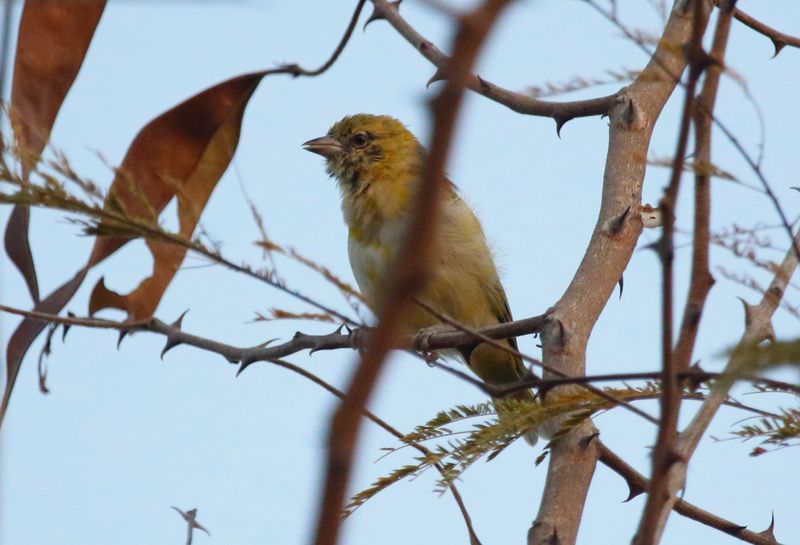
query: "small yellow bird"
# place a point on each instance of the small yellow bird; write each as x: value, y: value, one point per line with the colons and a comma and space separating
x: 377, y: 163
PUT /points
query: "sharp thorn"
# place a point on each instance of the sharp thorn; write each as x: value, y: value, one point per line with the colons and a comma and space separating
x: 64, y: 331
x: 779, y: 45
x: 437, y: 76
x: 379, y: 15
x: 621, y: 283
x: 122, y: 334
x: 770, y: 531
x: 244, y: 364
x: 633, y: 491
x: 269, y: 342
x: 560, y: 122
x: 177, y: 324
x: 615, y: 225
x: 169, y: 345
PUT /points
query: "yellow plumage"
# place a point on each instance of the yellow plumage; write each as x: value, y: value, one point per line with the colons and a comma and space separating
x: 377, y: 164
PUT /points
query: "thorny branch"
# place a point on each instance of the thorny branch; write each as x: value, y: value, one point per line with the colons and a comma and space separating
x: 638, y: 484
x: 561, y: 112
x: 758, y: 327
x: 779, y: 39
x: 357, y: 339
x: 632, y: 119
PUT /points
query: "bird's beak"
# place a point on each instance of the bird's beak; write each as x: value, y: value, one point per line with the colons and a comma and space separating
x: 324, y: 145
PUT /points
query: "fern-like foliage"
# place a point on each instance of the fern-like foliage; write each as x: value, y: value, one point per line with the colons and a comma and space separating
x: 499, y: 424
x: 774, y: 432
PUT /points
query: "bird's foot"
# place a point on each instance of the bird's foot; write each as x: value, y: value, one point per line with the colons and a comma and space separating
x: 422, y: 340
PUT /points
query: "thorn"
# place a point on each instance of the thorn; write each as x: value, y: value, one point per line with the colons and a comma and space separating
x: 621, y: 283
x: 244, y: 364
x: 796, y: 188
x: 554, y: 539
x: 437, y: 76
x: 586, y: 441
x: 633, y: 491
x: 748, y: 311
x: 70, y: 314
x: 616, y: 225
x: 379, y: 15
x: 269, y: 342
x: 779, y: 45
x: 770, y: 531
x: 632, y: 115
x: 560, y: 122
x: 179, y: 322
x: 562, y: 334
x: 169, y: 345
x: 483, y: 84
x: 122, y: 334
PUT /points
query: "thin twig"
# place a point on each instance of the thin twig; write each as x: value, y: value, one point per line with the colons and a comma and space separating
x: 561, y: 112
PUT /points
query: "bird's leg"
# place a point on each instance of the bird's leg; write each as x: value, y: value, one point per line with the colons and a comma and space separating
x: 423, y: 338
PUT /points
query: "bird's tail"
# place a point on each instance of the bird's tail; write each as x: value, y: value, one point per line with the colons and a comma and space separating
x: 498, y: 367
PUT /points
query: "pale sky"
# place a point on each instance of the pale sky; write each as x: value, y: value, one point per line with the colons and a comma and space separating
x: 123, y: 436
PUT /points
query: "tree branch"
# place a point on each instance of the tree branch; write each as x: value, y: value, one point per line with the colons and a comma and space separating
x: 779, y: 39
x: 561, y: 112
x: 758, y: 328
x: 638, y: 484
x: 636, y: 109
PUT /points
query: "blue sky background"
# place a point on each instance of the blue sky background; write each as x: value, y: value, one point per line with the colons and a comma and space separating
x: 123, y: 435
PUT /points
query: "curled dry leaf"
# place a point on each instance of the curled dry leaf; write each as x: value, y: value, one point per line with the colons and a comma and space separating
x: 53, y: 39
x: 182, y: 153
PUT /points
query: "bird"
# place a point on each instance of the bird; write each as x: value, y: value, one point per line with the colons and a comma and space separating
x: 377, y: 163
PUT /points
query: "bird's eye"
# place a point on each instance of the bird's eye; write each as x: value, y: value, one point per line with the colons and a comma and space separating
x: 359, y: 140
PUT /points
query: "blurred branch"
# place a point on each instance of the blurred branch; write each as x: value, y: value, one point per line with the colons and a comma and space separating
x: 649, y: 532
x: 410, y: 276
x: 758, y: 327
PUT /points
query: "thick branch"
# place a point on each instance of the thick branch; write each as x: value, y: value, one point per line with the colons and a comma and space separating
x: 613, y: 241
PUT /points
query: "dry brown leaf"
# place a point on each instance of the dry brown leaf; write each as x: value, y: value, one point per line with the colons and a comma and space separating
x: 52, y: 43
x: 182, y: 153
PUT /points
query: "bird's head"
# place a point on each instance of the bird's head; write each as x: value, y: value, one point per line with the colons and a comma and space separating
x: 365, y: 149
